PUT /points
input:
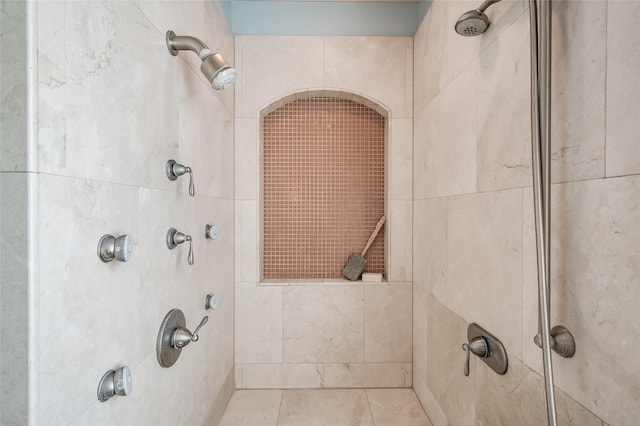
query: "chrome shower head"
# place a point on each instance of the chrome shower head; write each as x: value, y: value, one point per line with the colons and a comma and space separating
x: 218, y: 72
x: 474, y: 22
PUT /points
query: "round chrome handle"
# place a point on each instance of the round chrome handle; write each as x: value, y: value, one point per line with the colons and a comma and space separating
x: 110, y: 247
x: 114, y: 382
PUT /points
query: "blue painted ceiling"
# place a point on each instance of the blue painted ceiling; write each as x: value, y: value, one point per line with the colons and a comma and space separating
x: 325, y: 18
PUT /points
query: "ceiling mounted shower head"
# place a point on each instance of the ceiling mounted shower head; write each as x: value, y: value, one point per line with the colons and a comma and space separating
x: 218, y: 72
x: 474, y: 22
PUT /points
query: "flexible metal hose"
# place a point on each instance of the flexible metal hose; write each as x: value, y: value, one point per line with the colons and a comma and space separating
x: 541, y: 162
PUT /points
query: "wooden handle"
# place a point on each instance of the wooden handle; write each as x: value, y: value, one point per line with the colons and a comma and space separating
x: 373, y: 235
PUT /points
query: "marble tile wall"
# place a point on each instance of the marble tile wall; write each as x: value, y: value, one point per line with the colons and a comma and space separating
x: 113, y: 106
x: 16, y: 155
x: 16, y: 224
x: 323, y: 334
x: 474, y: 248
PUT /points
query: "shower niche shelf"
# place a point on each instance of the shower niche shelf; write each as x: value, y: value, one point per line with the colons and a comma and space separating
x: 319, y: 281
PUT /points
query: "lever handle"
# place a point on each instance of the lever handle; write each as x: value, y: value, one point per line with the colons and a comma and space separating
x: 478, y: 347
x: 190, y: 256
x: 465, y: 348
x: 181, y: 336
x: 179, y: 170
x: 192, y: 187
x: 174, y: 237
x: 194, y: 336
x: 174, y: 169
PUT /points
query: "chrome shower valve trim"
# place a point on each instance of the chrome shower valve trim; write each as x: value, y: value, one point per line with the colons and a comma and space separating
x: 477, y: 346
x: 174, y: 170
x: 115, y: 382
x: 485, y: 346
x: 181, y: 337
x: 110, y: 247
x: 175, y: 238
x: 173, y: 336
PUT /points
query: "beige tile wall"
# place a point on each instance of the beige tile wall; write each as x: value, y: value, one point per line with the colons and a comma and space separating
x: 474, y: 248
x: 17, y: 180
x: 324, y: 334
x: 112, y: 107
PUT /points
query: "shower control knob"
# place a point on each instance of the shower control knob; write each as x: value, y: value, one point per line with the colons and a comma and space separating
x: 122, y: 381
x: 174, y: 170
x: 211, y: 232
x: 181, y: 336
x: 110, y: 247
x: 212, y: 301
x: 115, y: 382
x: 174, y: 237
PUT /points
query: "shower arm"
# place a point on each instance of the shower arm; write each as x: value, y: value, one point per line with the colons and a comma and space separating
x: 484, y: 6
x: 177, y: 43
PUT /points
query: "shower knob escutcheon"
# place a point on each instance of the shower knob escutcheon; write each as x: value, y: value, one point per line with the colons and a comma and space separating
x: 485, y: 346
x: 173, y: 336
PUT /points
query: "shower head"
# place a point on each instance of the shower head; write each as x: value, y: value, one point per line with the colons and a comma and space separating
x: 474, y: 22
x: 218, y: 72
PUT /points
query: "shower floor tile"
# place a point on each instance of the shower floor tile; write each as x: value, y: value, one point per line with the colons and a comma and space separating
x: 325, y: 407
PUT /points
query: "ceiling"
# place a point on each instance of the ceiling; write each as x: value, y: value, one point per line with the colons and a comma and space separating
x: 346, y: 1
x: 331, y: 18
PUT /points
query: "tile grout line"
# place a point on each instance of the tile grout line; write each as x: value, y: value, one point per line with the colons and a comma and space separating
x: 606, y: 85
x: 282, y: 391
x: 366, y: 395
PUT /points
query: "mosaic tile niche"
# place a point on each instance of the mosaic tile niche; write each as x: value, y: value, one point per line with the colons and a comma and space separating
x: 323, y: 187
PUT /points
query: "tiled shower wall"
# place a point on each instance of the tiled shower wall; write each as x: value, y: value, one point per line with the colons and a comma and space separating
x: 474, y: 245
x: 323, y: 187
x: 112, y: 106
x: 14, y: 218
x: 323, y: 334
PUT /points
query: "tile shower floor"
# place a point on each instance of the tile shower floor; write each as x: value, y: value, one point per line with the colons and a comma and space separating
x: 325, y: 407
